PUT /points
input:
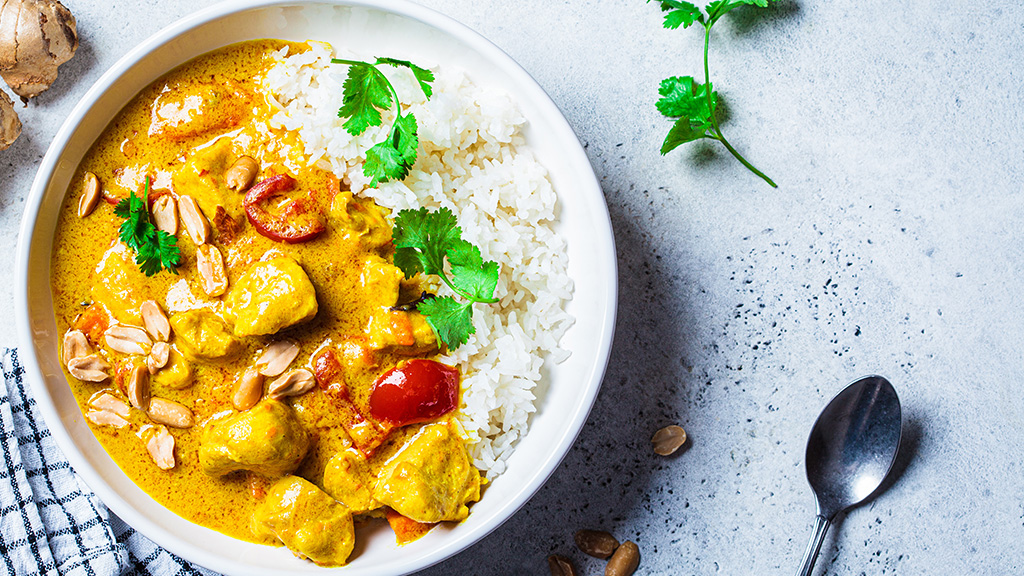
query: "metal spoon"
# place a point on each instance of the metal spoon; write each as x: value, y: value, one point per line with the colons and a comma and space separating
x: 850, y: 451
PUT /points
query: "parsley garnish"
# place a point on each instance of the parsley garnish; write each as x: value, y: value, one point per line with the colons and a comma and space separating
x: 367, y: 92
x: 694, y: 105
x: 154, y: 249
x: 423, y: 240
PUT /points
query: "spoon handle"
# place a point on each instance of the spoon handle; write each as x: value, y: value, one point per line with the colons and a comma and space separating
x: 821, y: 525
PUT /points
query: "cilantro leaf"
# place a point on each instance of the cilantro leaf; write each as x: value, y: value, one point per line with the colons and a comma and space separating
x: 423, y: 76
x: 367, y: 93
x: 471, y: 273
x: 154, y: 249
x: 383, y: 160
x: 679, y: 13
x: 684, y: 96
x: 423, y: 240
x: 692, y: 105
x: 452, y: 320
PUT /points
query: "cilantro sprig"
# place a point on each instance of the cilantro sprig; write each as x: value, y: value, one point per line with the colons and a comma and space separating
x: 692, y: 104
x: 154, y: 249
x: 423, y: 241
x: 367, y: 93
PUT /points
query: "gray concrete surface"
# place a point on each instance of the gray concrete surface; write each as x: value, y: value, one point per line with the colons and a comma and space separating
x: 893, y: 245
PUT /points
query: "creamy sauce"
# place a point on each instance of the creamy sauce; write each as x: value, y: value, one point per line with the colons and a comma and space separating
x: 182, y: 132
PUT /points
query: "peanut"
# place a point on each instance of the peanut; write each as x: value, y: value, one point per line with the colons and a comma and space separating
x: 210, y: 264
x: 165, y: 214
x: 248, y: 390
x: 170, y: 413
x: 89, y: 368
x: 156, y: 321
x: 276, y: 358
x: 625, y: 560
x: 292, y: 383
x: 596, y: 543
x: 241, y: 174
x: 667, y: 440
x: 128, y: 339
x: 196, y: 225
x: 90, y: 195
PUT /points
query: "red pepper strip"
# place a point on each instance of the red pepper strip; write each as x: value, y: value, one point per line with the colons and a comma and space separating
x: 367, y: 435
x: 303, y: 227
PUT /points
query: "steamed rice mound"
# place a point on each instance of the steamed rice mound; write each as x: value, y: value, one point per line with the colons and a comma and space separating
x: 474, y: 160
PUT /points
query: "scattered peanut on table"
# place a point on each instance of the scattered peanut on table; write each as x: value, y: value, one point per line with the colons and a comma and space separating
x: 667, y: 440
x: 560, y: 566
x: 625, y: 560
x: 596, y: 543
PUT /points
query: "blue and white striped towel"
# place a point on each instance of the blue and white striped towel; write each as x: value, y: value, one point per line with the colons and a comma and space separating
x: 51, y: 524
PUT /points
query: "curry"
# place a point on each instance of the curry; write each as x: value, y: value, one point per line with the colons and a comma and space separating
x: 272, y: 383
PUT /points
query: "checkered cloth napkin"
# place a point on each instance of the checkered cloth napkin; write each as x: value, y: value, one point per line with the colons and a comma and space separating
x: 50, y: 523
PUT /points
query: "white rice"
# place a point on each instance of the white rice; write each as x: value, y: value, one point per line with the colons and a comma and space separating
x: 473, y: 160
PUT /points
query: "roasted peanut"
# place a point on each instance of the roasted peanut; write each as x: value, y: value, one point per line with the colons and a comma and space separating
x: 110, y: 403
x: 128, y: 339
x: 196, y: 225
x: 292, y: 383
x: 667, y: 440
x: 171, y: 413
x: 89, y: 368
x: 560, y: 566
x: 138, y: 388
x: 596, y: 543
x: 276, y: 358
x: 165, y: 214
x: 625, y: 560
x: 158, y: 357
x: 242, y: 174
x: 161, y: 448
x: 90, y: 195
x: 210, y: 264
x: 76, y: 345
x: 156, y: 321
x: 105, y: 418
x: 248, y: 389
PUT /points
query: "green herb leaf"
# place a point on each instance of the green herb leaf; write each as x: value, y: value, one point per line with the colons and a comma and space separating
x: 450, y: 319
x: 470, y: 273
x: 694, y: 106
x: 154, y: 249
x: 423, y: 76
x: 367, y: 93
x: 678, y: 13
x: 423, y: 240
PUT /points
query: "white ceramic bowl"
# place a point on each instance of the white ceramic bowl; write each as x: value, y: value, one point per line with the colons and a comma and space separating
x: 374, y: 26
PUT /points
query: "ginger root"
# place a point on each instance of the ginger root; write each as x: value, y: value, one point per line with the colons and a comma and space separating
x: 36, y: 36
x: 10, y: 125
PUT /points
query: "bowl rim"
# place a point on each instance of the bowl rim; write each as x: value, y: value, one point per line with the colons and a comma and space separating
x: 602, y: 243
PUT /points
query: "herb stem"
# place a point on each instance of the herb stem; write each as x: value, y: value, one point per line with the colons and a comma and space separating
x: 714, y: 118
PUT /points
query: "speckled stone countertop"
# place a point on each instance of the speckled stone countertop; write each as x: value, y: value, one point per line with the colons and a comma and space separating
x: 893, y: 245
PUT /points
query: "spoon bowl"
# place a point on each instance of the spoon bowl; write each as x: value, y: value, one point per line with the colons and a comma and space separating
x: 850, y: 452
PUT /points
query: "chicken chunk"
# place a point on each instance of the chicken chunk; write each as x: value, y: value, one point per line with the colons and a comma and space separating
x: 271, y: 296
x: 191, y: 109
x: 359, y: 220
x: 202, y: 335
x: 347, y: 478
x: 381, y: 281
x: 431, y: 479
x: 306, y: 520
x: 203, y: 178
x: 267, y: 439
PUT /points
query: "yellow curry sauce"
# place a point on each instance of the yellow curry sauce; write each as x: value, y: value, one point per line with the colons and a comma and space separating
x: 183, y: 133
